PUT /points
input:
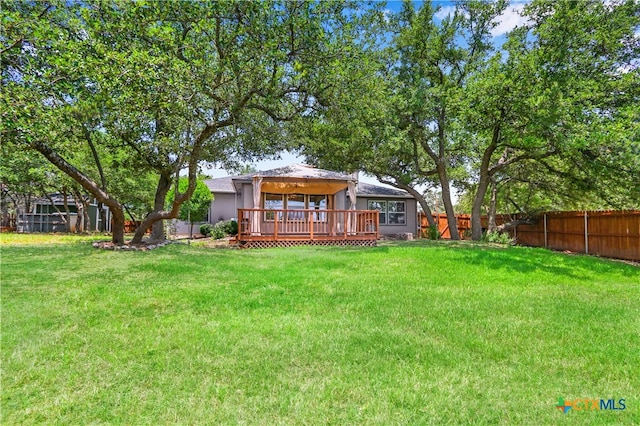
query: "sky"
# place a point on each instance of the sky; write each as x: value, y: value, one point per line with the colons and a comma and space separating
x: 509, y: 20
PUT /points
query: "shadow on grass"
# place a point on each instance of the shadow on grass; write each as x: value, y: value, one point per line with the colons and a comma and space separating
x: 523, y: 259
x: 493, y: 256
x: 578, y: 266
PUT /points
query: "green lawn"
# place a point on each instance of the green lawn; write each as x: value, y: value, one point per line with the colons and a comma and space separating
x: 405, y: 333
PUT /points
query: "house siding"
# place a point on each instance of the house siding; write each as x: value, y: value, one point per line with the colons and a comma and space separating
x: 223, y: 207
x: 246, y: 197
x: 341, y: 201
x: 411, y: 211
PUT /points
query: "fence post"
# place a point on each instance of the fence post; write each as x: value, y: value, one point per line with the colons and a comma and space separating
x: 586, y: 234
x: 546, y: 245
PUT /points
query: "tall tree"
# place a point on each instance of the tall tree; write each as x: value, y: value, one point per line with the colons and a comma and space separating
x: 560, y: 100
x: 437, y: 58
x: 405, y: 128
x: 171, y: 84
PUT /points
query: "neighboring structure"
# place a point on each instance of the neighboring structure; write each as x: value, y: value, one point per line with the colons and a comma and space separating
x: 48, y: 215
x: 303, y: 204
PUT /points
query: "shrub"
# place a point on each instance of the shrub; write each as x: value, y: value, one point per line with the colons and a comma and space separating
x: 218, y: 231
x: 229, y: 227
x: 233, y: 227
x: 205, y: 229
x: 497, y: 237
x: 433, y: 233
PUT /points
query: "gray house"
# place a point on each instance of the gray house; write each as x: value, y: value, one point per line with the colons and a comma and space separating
x: 301, y: 202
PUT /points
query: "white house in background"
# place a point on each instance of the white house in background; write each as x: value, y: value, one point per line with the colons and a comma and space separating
x: 304, y: 203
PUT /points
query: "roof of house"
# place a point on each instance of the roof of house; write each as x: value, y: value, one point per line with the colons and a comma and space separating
x: 303, y: 171
x: 368, y: 190
x: 298, y: 171
x: 221, y: 185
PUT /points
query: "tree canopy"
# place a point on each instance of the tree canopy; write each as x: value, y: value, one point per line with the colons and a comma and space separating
x: 197, y: 207
x: 115, y: 94
x: 130, y: 88
x: 549, y: 115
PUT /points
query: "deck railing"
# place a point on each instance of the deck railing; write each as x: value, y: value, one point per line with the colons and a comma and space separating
x: 311, y: 224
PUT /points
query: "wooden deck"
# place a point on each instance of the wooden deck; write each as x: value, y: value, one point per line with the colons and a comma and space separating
x: 269, y: 228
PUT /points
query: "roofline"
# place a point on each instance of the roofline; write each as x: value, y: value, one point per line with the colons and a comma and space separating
x: 359, y: 195
x: 373, y: 196
x: 249, y: 179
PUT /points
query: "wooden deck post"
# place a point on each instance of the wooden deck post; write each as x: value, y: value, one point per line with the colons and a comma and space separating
x: 344, y: 217
x: 275, y: 226
x: 303, y: 228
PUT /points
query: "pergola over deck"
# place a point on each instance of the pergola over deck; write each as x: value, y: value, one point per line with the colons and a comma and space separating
x: 297, y: 205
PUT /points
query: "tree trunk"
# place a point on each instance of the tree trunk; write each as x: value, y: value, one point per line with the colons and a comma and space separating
x: 492, y: 227
x: 79, y: 211
x: 440, y: 160
x: 88, y: 184
x: 476, y: 209
x: 486, y: 174
x: 423, y: 203
x: 103, y: 180
x: 87, y: 218
x: 446, y: 200
x: 82, y: 207
x: 117, y: 225
x: 67, y: 213
x: 164, y: 184
x: 79, y: 219
x: 103, y: 218
x: 157, y: 230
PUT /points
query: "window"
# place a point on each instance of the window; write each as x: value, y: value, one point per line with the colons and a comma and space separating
x: 273, y: 202
x: 381, y: 206
x: 397, y: 214
x: 318, y: 202
x: 391, y: 212
x: 295, y: 202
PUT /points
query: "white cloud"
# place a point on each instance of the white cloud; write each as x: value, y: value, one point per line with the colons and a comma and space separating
x: 510, y: 18
x: 444, y: 12
x: 387, y: 14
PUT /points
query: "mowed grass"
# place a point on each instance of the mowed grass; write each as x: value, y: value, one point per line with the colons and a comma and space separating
x: 404, y: 333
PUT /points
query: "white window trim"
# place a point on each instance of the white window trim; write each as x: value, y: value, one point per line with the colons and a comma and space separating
x: 386, y: 211
x: 404, y: 213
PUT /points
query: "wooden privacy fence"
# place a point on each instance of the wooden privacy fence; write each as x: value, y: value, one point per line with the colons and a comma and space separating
x: 463, y: 221
x: 614, y: 234
x: 130, y: 227
x: 8, y: 223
